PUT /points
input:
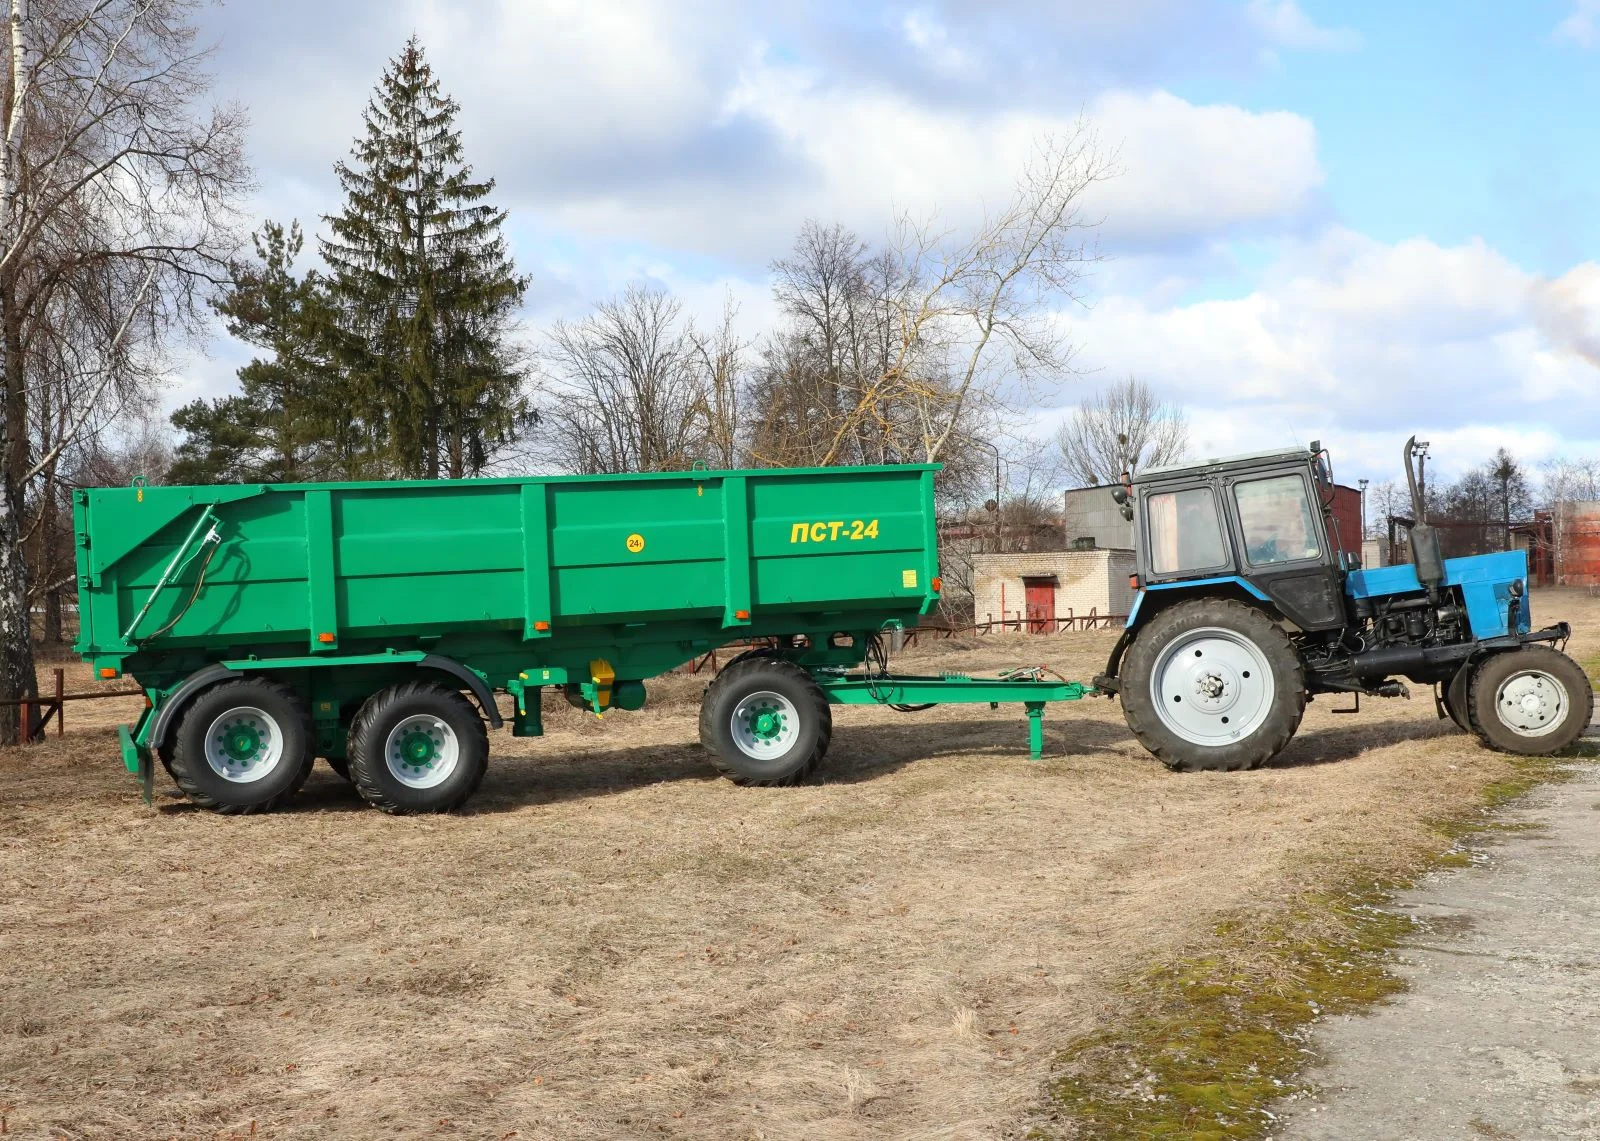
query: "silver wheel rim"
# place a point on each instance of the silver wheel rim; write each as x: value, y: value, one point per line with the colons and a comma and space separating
x: 244, y: 744
x: 1212, y: 687
x: 422, y: 751
x: 765, y: 725
x: 1531, y: 703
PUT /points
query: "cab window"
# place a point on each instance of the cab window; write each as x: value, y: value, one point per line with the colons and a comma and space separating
x: 1185, y: 533
x: 1275, y: 518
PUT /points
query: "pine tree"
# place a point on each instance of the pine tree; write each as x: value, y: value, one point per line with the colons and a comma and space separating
x: 425, y: 285
x: 291, y: 421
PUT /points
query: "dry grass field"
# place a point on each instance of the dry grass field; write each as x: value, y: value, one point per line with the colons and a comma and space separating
x: 614, y: 943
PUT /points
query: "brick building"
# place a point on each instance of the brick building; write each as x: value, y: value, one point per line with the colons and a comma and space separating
x: 1038, y: 591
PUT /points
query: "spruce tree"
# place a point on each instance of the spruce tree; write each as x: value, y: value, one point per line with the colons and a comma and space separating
x: 290, y: 421
x: 425, y: 286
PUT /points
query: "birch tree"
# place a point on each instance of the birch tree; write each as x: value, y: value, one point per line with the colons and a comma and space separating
x: 975, y: 317
x: 118, y: 182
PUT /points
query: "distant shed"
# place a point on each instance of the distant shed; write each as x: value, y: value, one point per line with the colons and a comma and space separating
x: 1576, y: 541
x: 1049, y: 590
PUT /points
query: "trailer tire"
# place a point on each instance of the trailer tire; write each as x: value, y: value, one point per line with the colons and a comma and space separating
x: 765, y: 722
x: 1533, y: 701
x: 339, y: 765
x: 1242, y: 640
x: 254, y: 769
x: 417, y: 747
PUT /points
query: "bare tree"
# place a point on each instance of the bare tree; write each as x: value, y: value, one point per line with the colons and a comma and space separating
x: 975, y: 321
x: 721, y: 365
x: 1384, y: 499
x: 635, y: 387
x: 817, y: 386
x: 1570, y: 480
x: 117, y: 189
x: 1122, y: 429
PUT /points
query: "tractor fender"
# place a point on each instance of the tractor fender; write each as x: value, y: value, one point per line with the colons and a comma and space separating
x: 1156, y: 597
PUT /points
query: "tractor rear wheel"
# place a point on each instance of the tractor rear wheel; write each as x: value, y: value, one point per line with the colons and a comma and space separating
x: 765, y: 722
x: 243, y: 746
x: 1213, y: 684
x: 1531, y: 701
x: 417, y: 747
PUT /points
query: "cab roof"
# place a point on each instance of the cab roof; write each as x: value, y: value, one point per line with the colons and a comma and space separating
x: 1225, y: 463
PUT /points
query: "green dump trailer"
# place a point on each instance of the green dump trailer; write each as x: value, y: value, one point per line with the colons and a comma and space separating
x: 374, y: 624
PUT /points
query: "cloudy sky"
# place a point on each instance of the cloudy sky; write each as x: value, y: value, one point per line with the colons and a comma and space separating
x: 1350, y: 220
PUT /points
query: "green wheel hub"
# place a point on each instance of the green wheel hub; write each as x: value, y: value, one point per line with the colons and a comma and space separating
x: 417, y: 750
x: 422, y: 751
x: 767, y: 725
x: 244, y: 744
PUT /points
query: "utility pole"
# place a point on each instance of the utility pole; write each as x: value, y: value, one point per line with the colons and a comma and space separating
x: 1363, y: 485
x: 1420, y: 450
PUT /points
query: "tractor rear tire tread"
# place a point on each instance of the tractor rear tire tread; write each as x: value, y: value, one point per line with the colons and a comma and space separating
x: 1289, y: 678
x: 752, y: 674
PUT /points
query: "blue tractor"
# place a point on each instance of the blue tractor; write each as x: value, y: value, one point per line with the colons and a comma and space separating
x: 1247, y: 608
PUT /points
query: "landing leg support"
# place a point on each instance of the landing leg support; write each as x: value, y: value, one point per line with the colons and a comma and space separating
x: 1035, y: 729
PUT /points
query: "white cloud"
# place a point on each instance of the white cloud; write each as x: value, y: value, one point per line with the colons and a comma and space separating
x: 857, y: 154
x: 1361, y: 343
x: 931, y: 38
x: 1201, y: 171
x: 1582, y: 24
x: 1285, y: 24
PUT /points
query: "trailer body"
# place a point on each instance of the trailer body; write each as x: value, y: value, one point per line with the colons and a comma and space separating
x: 591, y: 585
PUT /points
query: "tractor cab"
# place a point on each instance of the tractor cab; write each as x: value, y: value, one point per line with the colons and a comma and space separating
x: 1257, y: 524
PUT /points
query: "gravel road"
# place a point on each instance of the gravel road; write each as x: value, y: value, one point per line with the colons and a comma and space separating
x: 1499, y: 1035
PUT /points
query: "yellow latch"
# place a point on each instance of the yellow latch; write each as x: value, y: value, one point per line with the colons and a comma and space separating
x: 603, y: 676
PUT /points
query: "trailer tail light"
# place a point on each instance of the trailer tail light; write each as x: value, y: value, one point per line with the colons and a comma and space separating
x: 937, y: 584
x: 107, y: 671
x: 541, y: 625
x: 325, y: 638
x: 1133, y: 582
x: 742, y: 615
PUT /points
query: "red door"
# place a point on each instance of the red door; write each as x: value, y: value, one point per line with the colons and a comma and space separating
x: 1041, y: 603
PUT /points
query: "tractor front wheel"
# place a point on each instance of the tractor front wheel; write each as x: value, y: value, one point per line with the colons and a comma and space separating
x: 1531, y: 701
x: 1213, y: 684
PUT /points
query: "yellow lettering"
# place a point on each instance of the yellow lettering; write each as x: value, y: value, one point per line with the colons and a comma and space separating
x: 797, y: 533
x: 833, y: 528
x: 855, y: 528
x: 819, y: 532
x: 872, y: 530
